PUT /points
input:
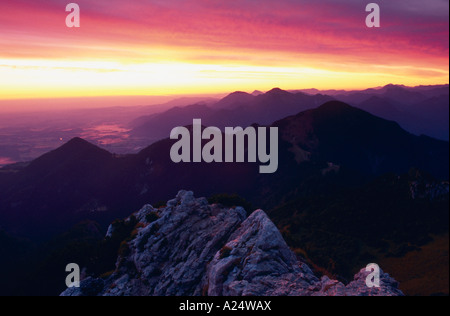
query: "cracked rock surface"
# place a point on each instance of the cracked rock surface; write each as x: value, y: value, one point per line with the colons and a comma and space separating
x: 192, y: 248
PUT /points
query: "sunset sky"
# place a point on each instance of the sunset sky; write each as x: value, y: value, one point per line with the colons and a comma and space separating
x: 165, y: 47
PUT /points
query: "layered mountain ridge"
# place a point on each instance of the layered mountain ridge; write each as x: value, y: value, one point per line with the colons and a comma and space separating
x: 338, y: 166
x: 419, y: 110
x: 80, y: 179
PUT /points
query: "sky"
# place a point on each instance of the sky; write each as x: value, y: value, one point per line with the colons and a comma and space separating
x: 162, y: 47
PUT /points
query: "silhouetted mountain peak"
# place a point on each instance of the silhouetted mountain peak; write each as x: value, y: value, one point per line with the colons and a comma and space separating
x: 349, y: 136
x: 78, y: 144
x: 237, y: 93
x: 393, y: 88
x: 277, y: 91
x: 235, y: 99
x: 333, y: 106
x: 391, y: 85
x: 73, y: 151
x: 349, y: 116
x: 402, y: 94
x: 256, y: 93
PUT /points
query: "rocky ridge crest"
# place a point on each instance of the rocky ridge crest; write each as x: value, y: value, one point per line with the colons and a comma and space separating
x: 192, y: 248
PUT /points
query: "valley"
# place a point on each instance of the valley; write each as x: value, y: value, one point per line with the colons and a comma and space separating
x: 351, y: 188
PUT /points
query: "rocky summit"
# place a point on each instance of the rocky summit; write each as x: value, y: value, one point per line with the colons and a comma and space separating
x: 192, y: 248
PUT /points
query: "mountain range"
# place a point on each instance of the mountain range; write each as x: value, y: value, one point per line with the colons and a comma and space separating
x: 236, y: 109
x: 420, y: 110
x: 341, y: 169
x: 80, y: 179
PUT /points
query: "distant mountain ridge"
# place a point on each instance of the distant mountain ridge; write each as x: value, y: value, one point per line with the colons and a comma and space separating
x: 79, y: 178
x: 422, y: 110
x: 237, y: 109
x: 349, y: 185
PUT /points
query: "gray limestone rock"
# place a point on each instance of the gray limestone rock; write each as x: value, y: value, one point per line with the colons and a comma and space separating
x: 191, y: 248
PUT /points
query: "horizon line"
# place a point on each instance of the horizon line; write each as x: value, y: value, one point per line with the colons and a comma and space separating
x: 159, y: 100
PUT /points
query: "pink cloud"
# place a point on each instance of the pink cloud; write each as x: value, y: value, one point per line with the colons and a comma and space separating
x: 412, y: 32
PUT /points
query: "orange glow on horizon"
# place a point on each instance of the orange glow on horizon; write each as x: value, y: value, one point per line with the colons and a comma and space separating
x: 25, y: 78
x: 198, y: 47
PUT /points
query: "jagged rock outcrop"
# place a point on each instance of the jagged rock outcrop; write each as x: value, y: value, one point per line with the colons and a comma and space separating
x: 193, y: 248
